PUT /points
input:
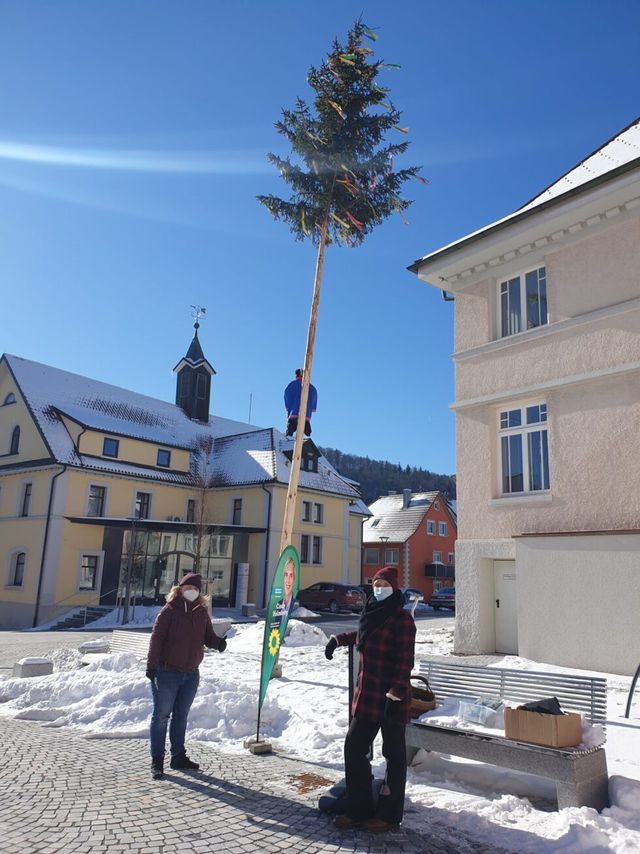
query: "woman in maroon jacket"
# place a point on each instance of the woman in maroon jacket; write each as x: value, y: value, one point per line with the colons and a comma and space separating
x: 181, y: 630
x: 382, y: 700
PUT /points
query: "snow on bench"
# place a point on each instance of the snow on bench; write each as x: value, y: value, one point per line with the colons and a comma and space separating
x: 580, y: 774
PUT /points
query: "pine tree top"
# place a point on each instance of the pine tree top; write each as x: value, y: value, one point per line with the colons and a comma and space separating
x: 341, y: 167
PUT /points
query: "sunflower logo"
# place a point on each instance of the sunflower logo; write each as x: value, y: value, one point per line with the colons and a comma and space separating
x: 274, y: 641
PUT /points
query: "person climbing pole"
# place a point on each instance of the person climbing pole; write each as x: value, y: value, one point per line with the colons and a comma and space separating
x: 292, y: 404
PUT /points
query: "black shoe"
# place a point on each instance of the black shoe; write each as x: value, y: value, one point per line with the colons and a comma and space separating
x: 182, y: 761
x: 157, y: 767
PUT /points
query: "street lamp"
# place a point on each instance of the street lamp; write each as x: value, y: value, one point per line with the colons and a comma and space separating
x: 384, y: 540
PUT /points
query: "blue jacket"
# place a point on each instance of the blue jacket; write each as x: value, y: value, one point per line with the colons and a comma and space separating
x: 292, y: 398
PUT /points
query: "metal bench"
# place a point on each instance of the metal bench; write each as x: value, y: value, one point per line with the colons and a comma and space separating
x: 131, y: 640
x: 580, y: 776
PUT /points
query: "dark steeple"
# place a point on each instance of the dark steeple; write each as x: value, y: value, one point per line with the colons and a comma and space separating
x: 193, y: 386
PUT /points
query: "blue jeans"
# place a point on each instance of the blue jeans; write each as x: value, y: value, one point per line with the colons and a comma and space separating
x: 173, y: 694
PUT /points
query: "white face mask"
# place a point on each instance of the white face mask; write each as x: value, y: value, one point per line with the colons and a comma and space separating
x: 382, y: 592
x: 190, y: 595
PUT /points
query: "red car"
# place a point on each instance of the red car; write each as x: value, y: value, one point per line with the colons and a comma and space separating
x: 327, y: 595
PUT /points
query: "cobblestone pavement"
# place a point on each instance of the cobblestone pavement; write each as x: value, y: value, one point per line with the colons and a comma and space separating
x: 62, y: 793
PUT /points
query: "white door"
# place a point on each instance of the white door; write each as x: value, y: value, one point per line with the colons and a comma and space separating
x: 505, y: 606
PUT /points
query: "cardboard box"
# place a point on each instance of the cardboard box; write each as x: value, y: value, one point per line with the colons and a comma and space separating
x: 547, y: 730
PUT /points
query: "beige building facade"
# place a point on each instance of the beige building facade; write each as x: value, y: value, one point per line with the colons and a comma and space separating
x: 547, y: 402
x: 105, y: 492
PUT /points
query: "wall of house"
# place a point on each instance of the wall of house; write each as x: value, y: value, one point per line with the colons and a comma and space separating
x: 32, y: 446
x: 132, y: 450
x: 423, y: 545
x: 592, y: 427
x: 579, y: 600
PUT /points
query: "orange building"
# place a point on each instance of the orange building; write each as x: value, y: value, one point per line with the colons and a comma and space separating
x: 416, y: 532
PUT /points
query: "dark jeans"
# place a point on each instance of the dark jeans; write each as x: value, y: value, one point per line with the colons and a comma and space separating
x: 292, y: 426
x: 358, y: 770
x: 173, y: 694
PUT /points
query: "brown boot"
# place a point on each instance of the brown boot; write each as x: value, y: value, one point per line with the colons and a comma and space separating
x: 378, y: 825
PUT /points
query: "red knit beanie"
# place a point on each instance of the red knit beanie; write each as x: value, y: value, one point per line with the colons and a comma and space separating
x: 193, y: 579
x: 387, y: 573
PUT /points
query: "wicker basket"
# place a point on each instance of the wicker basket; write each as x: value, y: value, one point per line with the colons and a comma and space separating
x: 422, y: 699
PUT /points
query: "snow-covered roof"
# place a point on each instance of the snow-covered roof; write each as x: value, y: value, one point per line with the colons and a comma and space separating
x: 241, y: 453
x: 621, y: 150
x: 393, y: 521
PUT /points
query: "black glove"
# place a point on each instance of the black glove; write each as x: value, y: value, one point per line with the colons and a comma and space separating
x: 391, y: 708
x: 223, y: 644
x: 151, y: 673
x: 330, y: 648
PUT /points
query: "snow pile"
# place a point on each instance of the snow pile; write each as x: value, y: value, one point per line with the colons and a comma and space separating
x: 141, y: 615
x: 65, y: 659
x: 305, y: 714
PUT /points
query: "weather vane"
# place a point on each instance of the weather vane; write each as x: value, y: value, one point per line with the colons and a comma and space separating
x: 198, y: 314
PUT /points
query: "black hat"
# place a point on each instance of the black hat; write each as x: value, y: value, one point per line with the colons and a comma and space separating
x: 193, y: 579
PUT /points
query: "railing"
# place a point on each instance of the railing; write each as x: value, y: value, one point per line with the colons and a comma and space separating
x: 85, y: 608
x: 631, y: 690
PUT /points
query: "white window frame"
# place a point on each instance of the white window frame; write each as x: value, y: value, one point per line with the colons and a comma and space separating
x: 86, y: 498
x: 521, y: 275
x: 232, y: 509
x: 431, y: 525
x: 12, y: 557
x: 317, y: 505
x: 90, y: 553
x: 390, y: 561
x: 306, y: 511
x: 21, y: 494
x: 310, y: 538
x: 523, y: 429
x: 377, y: 555
x: 451, y: 558
x: 133, y: 507
x: 442, y: 529
x: 437, y: 556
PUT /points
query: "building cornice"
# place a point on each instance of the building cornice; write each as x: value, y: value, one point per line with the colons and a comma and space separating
x: 550, y: 329
x: 541, y: 388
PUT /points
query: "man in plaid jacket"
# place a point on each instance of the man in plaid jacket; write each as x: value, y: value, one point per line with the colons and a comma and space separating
x: 382, y: 701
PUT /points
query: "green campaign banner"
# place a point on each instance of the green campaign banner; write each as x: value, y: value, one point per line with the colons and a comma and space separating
x: 284, y: 590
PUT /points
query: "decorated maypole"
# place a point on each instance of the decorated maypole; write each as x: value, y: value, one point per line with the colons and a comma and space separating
x: 342, y: 181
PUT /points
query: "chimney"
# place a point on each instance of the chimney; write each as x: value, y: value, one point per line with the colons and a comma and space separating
x: 406, y: 498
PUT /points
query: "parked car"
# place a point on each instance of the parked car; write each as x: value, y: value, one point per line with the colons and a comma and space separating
x: 330, y: 596
x: 411, y: 594
x: 444, y: 598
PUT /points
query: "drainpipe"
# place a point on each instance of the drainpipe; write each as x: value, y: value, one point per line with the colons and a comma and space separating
x: 44, y: 544
x: 266, y: 553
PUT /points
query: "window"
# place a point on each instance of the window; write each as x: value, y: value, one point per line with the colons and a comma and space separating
x: 110, y: 447
x: 17, y: 569
x: 306, y: 511
x: 164, y: 458
x: 26, y: 500
x: 442, y: 529
x: 391, y: 556
x: 191, y: 510
x: 236, y: 518
x: 524, y: 449
x: 431, y: 527
x: 14, y: 448
x: 371, y: 556
x: 318, y: 513
x: 88, y: 572
x: 309, y: 461
x: 143, y: 505
x: 437, y: 557
x: 10, y: 398
x: 451, y: 559
x: 310, y: 549
x: 201, y: 386
x: 95, y: 505
x: 375, y: 523
x: 523, y: 302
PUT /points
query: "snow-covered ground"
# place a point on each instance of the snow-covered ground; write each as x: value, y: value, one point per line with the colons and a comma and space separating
x: 305, y: 714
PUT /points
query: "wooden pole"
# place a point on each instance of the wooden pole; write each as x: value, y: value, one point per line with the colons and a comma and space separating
x: 294, y: 476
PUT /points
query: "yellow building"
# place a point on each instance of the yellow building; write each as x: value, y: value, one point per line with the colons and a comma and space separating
x: 105, y: 491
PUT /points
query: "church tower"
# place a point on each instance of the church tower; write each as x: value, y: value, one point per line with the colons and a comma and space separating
x: 193, y: 378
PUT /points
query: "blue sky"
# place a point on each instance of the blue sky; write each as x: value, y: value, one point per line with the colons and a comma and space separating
x: 133, y: 136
